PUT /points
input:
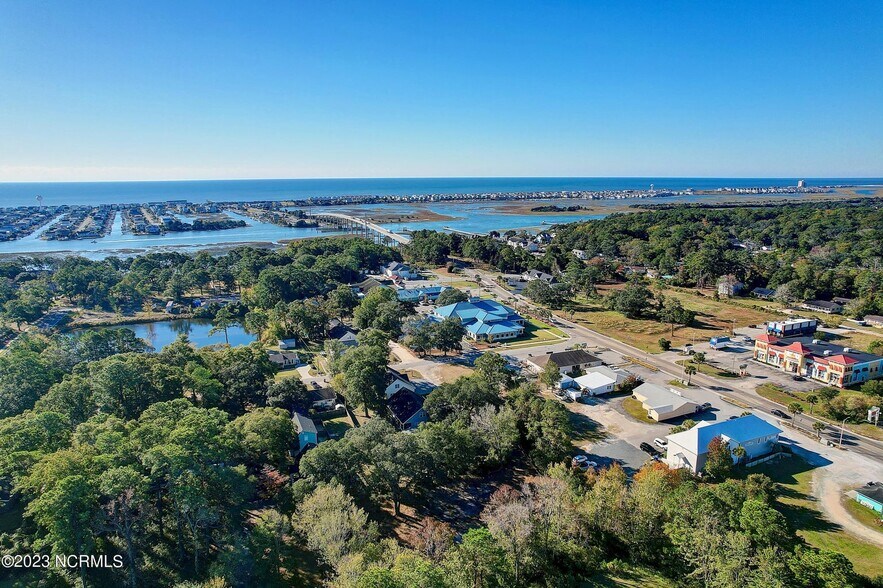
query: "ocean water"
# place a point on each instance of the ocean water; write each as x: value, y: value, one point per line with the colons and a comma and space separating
x: 476, y: 217
x: 20, y: 194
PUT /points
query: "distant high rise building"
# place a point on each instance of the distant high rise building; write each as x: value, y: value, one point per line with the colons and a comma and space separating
x: 801, y: 183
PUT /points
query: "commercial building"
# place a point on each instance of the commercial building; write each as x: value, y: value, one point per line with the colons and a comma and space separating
x: 689, y: 449
x: 663, y: 404
x: 792, y: 327
x: 824, y: 362
x: 484, y: 320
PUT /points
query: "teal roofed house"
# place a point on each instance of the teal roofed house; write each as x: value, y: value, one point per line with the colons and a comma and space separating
x: 484, y: 320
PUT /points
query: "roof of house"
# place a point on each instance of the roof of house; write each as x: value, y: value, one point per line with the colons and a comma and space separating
x: 872, y: 490
x: 875, y: 318
x: 618, y: 374
x: 404, y: 404
x: 304, y: 424
x: 322, y: 394
x: 392, y: 374
x: 660, y: 399
x: 737, y: 432
x: 593, y: 380
x: 763, y: 292
x: 565, y: 358
x: 539, y: 275
x: 283, y: 357
x: 827, y: 304
x: 367, y: 285
x: 339, y: 330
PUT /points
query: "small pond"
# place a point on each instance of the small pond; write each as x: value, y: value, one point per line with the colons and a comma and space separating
x: 161, y: 333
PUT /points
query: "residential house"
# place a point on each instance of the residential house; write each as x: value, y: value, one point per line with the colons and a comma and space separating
x: 580, y: 254
x: 663, y: 404
x: 290, y: 343
x: 568, y: 362
x: 689, y: 449
x: 284, y: 359
x: 401, y: 270
x: 729, y: 286
x: 421, y: 295
x: 843, y: 302
x: 830, y: 364
x: 826, y: 306
x: 309, y: 432
x: 366, y: 285
x: 396, y: 381
x: 763, y: 293
x: 871, y: 496
x: 484, y: 320
x: 341, y: 332
x: 875, y: 320
x: 531, y: 275
x: 619, y: 375
x: 406, y: 409
x: 322, y: 398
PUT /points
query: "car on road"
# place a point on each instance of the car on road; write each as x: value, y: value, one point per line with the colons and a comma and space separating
x: 647, y: 448
x: 798, y: 378
x: 660, y: 443
x: 779, y: 413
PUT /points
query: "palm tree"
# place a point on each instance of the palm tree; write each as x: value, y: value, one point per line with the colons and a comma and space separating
x: 689, y: 370
x: 812, y: 399
x: 740, y: 453
x: 795, y: 408
x: 818, y: 427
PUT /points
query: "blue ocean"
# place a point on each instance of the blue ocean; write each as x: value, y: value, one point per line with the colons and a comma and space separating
x: 24, y: 193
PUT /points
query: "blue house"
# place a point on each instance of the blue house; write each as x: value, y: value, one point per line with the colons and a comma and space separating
x: 484, y: 320
x: 309, y: 432
x: 415, y: 295
x: 871, y: 496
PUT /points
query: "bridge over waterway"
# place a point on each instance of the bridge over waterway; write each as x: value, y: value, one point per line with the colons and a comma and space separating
x: 356, y: 224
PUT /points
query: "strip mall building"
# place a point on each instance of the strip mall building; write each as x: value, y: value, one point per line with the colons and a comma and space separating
x: 822, y: 361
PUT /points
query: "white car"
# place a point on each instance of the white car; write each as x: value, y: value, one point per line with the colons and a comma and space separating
x: 583, y: 462
x: 660, y: 443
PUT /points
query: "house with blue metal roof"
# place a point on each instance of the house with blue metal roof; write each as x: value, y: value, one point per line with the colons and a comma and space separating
x: 484, y: 320
x: 418, y: 295
x: 689, y: 449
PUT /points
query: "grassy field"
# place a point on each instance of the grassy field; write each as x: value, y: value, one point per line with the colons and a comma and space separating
x: 338, y: 427
x: 786, y: 397
x: 630, y: 577
x: 799, y: 507
x: 709, y: 369
x: 713, y: 317
x: 635, y: 409
x: 863, y: 514
x: 285, y: 374
x: 536, y: 332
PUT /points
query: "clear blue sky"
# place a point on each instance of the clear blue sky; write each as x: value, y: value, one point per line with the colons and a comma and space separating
x: 175, y: 90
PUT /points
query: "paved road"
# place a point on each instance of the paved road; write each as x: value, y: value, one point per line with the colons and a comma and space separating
x: 735, y: 389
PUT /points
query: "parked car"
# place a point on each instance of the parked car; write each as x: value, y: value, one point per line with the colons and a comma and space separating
x: 779, y: 413
x: 798, y: 378
x: 733, y: 417
x: 703, y: 406
x: 647, y: 448
x: 583, y: 462
x: 660, y: 443
x: 560, y: 394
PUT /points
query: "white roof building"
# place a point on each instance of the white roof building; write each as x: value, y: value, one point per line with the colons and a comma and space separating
x: 662, y: 404
x: 595, y: 383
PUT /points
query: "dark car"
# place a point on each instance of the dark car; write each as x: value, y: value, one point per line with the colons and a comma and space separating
x: 797, y: 378
x: 779, y: 413
x: 647, y: 448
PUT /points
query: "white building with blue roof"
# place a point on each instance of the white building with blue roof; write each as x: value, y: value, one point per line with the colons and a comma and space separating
x: 689, y: 449
x: 484, y: 320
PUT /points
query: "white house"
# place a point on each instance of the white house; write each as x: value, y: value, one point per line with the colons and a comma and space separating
x: 396, y: 381
x: 401, y: 270
x: 595, y: 383
x: 618, y: 374
x: 689, y: 449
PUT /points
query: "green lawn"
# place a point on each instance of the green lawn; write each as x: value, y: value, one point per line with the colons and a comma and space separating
x: 629, y: 577
x: 338, y: 427
x: 709, y: 369
x: 863, y: 514
x: 635, y: 409
x: 536, y: 332
x: 797, y: 503
x: 786, y: 397
x: 285, y: 374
